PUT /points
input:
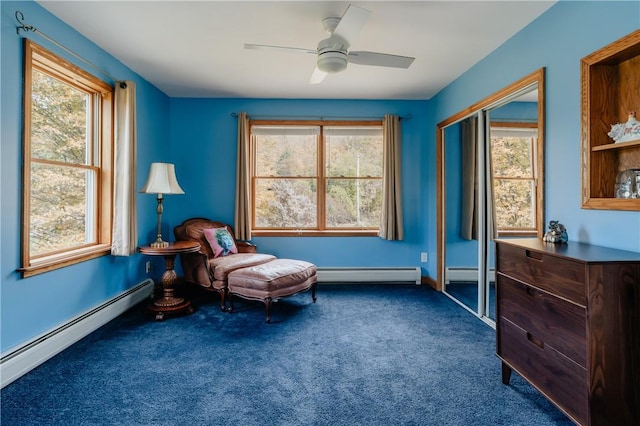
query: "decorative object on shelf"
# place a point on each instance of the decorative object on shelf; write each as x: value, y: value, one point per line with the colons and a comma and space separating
x: 628, y: 184
x: 557, y: 233
x: 625, y: 132
x: 162, y: 180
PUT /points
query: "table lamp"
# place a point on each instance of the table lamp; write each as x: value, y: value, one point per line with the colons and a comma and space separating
x: 162, y: 180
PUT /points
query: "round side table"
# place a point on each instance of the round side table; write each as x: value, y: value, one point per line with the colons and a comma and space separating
x: 169, y: 303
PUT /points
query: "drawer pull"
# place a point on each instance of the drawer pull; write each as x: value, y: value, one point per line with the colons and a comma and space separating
x: 539, y: 343
x: 534, y: 255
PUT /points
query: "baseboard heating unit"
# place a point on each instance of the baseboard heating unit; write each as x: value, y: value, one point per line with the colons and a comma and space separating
x: 355, y: 275
x: 465, y: 274
x: 19, y: 361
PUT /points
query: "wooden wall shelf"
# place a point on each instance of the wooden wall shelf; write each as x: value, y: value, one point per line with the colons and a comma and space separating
x: 610, y: 88
x: 619, y: 145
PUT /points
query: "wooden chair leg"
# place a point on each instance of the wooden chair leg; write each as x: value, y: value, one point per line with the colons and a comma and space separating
x: 223, y: 299
x: 313, y: 292
x: 267, y: 305
x: 230, y: 304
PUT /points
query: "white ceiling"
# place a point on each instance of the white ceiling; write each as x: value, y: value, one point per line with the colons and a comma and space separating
x: 196, y: 48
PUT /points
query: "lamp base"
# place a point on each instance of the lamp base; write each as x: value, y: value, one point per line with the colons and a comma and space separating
x: 159, y: 244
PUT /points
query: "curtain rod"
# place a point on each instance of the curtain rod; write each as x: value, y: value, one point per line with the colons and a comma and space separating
x: 314, y: 117
x: 26, y: 28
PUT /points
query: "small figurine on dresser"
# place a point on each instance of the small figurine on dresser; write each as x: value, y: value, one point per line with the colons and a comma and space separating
x: 557, y: 233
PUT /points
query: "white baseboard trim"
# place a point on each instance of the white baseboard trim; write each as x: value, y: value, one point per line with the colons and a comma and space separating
x: 465, y: 274
x: 354, y: 275
x: 19, y: 361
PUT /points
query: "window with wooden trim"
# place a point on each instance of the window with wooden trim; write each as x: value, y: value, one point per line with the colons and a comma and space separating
x: 513, y: 166
x: 316, y: 178
x: 67, y: 154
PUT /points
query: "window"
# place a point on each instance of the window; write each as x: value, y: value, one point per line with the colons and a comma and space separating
x: 316, y: 178
x: 514, y: 182
x: 67, y: 163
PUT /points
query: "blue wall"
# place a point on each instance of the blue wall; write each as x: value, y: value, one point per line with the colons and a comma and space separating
x: 198, y: 135
x: 557, y: 40
x: 204, y: 133
x: 34, y: 305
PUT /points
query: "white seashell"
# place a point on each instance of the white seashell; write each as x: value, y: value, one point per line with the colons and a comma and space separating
x: 625, y: 132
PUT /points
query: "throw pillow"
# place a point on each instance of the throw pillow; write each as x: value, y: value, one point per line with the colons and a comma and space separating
x: 221, y: 241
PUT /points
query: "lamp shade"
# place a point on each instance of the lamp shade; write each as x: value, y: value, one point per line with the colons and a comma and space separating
x: 162, y: 180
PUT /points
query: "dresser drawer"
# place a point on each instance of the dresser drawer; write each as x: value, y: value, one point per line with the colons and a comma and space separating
x: 554, y: 321
x: 556, y: 376
x: 559, y: 276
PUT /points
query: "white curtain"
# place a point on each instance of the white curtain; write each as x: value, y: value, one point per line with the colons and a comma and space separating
x: 242, y: 224
x: 125, y: 230
x: 391, y: 226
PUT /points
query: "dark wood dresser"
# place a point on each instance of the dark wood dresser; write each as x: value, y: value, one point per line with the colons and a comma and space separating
x: 568, y: 321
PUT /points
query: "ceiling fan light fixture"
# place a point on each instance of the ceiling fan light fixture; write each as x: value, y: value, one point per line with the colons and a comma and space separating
x: 332, y: 62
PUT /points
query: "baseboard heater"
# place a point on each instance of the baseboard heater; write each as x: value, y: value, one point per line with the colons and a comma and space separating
x: 23, y: 359
x: 356, y: 275
x: 465, y: 274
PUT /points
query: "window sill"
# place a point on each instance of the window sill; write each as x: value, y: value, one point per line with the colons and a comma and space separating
x: 517, y: 233
x: 315, y: 233
x: 54, y: 262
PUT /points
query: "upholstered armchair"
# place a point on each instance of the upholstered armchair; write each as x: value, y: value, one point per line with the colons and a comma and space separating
x: 210, y: 266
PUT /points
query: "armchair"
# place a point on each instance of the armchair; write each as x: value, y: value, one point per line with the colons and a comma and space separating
x: 207, y: 270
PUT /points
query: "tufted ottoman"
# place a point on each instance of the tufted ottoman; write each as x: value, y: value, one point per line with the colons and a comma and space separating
x: 272, y: 280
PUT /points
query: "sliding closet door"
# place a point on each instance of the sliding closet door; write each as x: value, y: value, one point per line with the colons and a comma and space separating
x: 460, y: 212
x: 490, y: 170
x: 469, y: 215
x: 487, y: 258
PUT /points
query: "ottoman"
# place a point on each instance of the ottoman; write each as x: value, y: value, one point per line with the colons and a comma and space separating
x: 272, y: 280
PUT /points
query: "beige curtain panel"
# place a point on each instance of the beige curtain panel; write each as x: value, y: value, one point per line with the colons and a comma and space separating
x: 470, y: 185
x: 469, y: 131
x: 391, y: 226
x: 242, y: 224
x: 125, y: 228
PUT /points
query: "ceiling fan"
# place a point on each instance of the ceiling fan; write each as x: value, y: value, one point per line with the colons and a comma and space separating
x: 333, y: 53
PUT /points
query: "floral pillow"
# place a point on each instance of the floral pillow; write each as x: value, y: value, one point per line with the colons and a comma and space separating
x: 221, y: 241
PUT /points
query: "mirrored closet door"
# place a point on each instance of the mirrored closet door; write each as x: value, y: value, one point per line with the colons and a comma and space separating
x: 490, y: 169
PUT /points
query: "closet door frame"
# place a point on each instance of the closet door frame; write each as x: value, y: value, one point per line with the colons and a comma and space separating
x: 482, y: 109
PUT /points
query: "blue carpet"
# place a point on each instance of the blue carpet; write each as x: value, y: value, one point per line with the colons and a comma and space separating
x: 362, y: 355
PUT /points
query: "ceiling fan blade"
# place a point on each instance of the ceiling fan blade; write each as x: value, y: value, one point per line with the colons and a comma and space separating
x: 351, y: 23
x: 279, y: 48
x: 379, y: 59
x: 317, y: 76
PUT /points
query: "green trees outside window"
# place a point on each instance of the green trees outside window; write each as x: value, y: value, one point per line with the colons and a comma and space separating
x: 67, y: 163
x: 514, y: 183
x: 61, y: 184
